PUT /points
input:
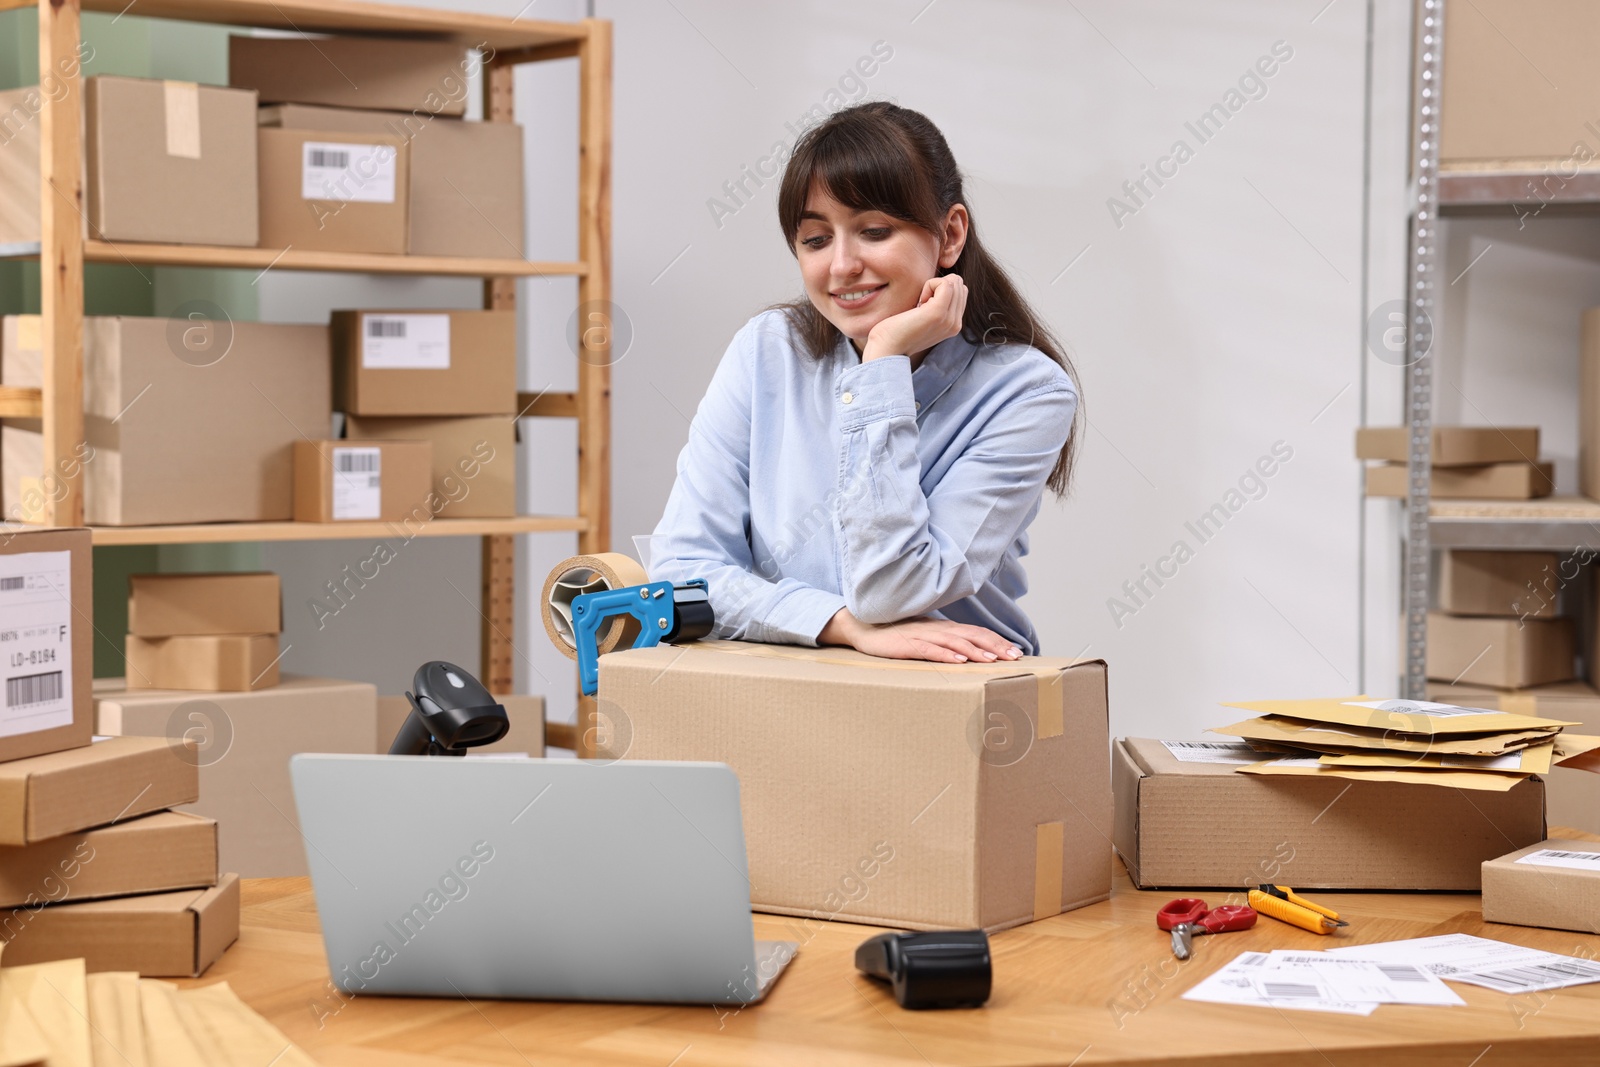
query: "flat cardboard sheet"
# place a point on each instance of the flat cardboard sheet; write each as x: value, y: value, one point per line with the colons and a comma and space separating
x: 1400, y: 716
x: 55, y: 997
x: 116, y: 1026
x: 1303, y: 733
x: 1480, y: 780
x: 1532, y: 760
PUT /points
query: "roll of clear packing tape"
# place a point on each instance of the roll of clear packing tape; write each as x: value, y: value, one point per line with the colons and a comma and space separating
x: 578, y: 576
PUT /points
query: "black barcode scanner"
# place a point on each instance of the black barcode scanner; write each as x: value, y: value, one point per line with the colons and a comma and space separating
x: 451, y: 712
x: 939, y: 969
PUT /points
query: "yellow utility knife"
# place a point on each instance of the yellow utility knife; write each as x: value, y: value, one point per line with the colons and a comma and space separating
x: 1285, y: 905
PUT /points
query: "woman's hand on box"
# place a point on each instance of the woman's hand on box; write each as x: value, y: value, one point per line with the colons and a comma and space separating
x: 924, y: 638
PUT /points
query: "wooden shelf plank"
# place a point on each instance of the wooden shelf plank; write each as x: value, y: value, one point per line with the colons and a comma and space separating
x: 219, y: 532
x: 1550, y: 524
x: 18, y: 402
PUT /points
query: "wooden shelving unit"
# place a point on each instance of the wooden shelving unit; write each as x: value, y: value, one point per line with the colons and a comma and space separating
x: 63, y: 250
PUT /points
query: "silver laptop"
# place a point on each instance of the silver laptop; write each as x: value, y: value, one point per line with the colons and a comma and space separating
x: 531, y: 878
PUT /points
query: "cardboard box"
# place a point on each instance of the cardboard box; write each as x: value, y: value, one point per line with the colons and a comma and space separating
x: 1494, y: 481
x: 46, y: 605
x: 1204, y: 825
x: 425, y: 362
x: 1518, y: 584
x: 474, y: 462
x: 889, y: 792
x: 1589, y: 406
x: 247, y: 739
x: 171, y: 605
x: 211, y: 662
x: 112, y: 779
x: 526, y: 736
x: 383, y: 73
x: 333, y: 192
x: 1453, y: 446
x: 1508, y: 653
x: 160, y: 935
x: 19, y: 164
x: 466, y: 177
x: 338, y: 481
x: 1559, y: 889
x: 185, y: 422
x: 170, y: 161
x: 151, y: 854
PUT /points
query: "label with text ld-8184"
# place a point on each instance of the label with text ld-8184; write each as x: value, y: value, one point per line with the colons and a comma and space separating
x: 35, y: 641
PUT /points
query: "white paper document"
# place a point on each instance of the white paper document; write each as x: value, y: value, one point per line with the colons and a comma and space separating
x: 1212, y: 752
x: 1551, y: 857
x: 1381, y: 982
x: 1479, y: 961
x: 1255, y: 979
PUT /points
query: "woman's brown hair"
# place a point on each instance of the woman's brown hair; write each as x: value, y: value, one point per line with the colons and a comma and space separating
x: 881, y: 157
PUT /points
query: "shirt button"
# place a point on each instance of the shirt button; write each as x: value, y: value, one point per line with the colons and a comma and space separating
x: 847, y: 397
x: 919, y: 405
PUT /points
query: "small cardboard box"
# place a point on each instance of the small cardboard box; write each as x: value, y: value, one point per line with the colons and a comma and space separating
x: 1453, y: 446
x: 474, y: 462
x: 466, y: 177
x: 323, y: 191
x: 425, y: 362
x: 46, y: 604
x: 173, y: 605
x: 889, y: 792
x: 1555, y: 884
x: 185, y: 421
x: 151, y: 854
x: 1507, y: 653
x: 170, y: 161
x: 525, y: 713
x: 1203, y: 825
x: 1494, y: 481
x: 211, y: 662
x: 160, y: 935
x: 1519, y: 584
x: 112, y: 779
x: 19, y: 164
x: 338, y: 481
x: 245, y: 741
x: 381, y: 73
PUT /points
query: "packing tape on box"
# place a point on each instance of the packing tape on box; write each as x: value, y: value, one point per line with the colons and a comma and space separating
x: 1049, y: 847
x: 183, y: 118
x: 577, y: 576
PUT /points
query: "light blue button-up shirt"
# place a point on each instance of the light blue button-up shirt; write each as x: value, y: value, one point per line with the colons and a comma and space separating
x: 812, y: 485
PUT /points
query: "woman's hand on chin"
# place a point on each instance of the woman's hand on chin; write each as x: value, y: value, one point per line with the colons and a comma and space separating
x: 924, y: 638
x: 936, y: 317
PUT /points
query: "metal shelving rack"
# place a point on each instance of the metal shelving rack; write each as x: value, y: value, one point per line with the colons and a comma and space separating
x: 63, y: 250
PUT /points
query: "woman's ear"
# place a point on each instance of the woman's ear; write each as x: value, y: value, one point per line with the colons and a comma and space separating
x: 954, y: 238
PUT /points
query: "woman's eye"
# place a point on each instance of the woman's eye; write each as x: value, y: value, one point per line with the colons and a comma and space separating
x: 815, y: 242
x: 876, y: 233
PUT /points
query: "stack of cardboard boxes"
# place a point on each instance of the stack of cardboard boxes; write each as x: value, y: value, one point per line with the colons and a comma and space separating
x: 217, y: 632
x: 1469, y: 462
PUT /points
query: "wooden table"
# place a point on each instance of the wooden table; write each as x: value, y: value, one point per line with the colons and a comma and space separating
x: 1095, y: 986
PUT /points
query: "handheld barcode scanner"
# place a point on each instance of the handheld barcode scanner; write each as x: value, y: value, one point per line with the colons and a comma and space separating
x: 451, y: 712
x: 938, y: 969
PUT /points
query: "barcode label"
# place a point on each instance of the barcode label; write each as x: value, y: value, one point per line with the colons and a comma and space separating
x: 357, y: 482
x: 1399, y: 972
x: 33, y: 689
x: 405, y: 342
x: 8, y: 584
x: 1290, y: 990
x: 378, y: 326
x: 325, y: 157
x: 1522, y: 979
x: 1211, y: 751
x: 352, y: 460
x: 346, y: 173
x: 1551, y: 857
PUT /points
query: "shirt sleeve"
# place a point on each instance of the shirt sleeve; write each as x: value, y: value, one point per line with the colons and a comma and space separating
x: 705, y: 530
x: 906, y: 553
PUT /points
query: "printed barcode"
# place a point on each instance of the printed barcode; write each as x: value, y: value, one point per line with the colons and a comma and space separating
x: 1541, y: 973
x: 33, y: 689
x: 386, y: 327
x: 1400, y: 973
x: 8, y: 584
x: 324, y: 157
x: 1228, y: 745
x: 1542, y: 852
x: 1290, y: 989
x: 352, y: 462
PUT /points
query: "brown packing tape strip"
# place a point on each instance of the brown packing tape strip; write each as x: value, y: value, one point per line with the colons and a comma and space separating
x: 1519, y: 703
x: 182, y: 101
x: 588, y: 574
x: 1049, y: 846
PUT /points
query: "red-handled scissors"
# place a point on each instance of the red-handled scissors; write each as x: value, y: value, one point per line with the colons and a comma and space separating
x: 1189, y: 916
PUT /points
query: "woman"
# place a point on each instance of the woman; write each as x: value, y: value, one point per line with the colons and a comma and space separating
x: 864, y: 467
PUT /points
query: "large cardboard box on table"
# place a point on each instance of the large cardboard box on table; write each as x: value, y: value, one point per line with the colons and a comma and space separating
x: 184, y: 420
x: 1505, y: 652
x: 889, y: 792
x: 341, y: 481
x: 1204, y: 825
x: 474, y: 462
x: 149, y: 854
x: 1520, y: 584
x: 46, y: 604
x: 111, y: 779
x: 245, y: 741
x: 1554, y: 884
x: 425, y: 362
x: 1452, y: 446
x: 327, y: 192
x: 525, y: 738
x: 385, y: 73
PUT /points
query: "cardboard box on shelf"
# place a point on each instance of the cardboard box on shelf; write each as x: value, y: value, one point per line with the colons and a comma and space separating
x: 1589, y: 405
x: 466, y: 177
x: 184, y: 421
x: 170, y: 161
x: 246, y: 741
x: 1453, y: 446
x: 424, y: 362
x: 1507, y: 653
x: 19, y: 164
x: 1494, y: 481
x: 46, y: 604
x: 1203, y: 825
x: 526, y: 736
x: 149, y: 854
x: 889, y: 792
x: 340, y: 481
x: 1518, y: 584
x: 333, y: 192
x: 172, y: 605
x: 210, y: 662
x: 160, y: 935
x: 474, y: 462
x: 383, y: 73
x: 1554, y: 884
x: 112, y: 779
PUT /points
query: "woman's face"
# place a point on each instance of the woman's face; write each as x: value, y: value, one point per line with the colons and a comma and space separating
x: 860, y: 267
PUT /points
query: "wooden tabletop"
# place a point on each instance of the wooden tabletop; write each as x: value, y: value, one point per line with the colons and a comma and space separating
x: 1095, y: 986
